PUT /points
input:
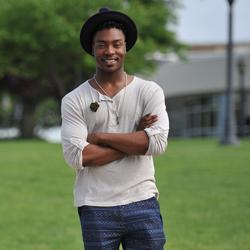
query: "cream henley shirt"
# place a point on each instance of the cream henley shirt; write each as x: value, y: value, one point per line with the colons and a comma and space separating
x: 122, y: 181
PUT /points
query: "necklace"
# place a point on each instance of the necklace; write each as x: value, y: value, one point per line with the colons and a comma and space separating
x: 117, y: 109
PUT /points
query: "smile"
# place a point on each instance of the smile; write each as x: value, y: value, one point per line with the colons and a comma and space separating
x: 110, y: 60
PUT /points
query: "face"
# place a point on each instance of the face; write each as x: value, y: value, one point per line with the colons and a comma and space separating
x: 109, y: 48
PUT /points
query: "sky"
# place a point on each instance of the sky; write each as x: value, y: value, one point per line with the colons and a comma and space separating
x: 206, y: 21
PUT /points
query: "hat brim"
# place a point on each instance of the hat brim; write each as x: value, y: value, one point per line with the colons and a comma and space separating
x: 89, y: 28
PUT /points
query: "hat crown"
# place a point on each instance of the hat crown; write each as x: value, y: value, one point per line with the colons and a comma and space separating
x: 104, y: 9
x: 106, y: 14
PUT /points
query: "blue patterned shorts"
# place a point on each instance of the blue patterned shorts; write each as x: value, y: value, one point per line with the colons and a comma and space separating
x: 137, y: 226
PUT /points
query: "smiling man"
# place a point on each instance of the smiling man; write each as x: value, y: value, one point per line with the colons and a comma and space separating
x: 112, y: 125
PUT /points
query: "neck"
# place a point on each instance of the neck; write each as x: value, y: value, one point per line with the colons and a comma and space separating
x: 110, y: 77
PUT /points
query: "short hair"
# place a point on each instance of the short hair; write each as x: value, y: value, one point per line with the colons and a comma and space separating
x: 109, y: 25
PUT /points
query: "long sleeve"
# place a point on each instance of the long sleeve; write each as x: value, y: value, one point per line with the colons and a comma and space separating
x: 73, y: 132
x: 158, y: 133
x: 123, y: 181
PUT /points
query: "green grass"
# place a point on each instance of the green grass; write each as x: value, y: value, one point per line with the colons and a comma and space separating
x: 204, y: 196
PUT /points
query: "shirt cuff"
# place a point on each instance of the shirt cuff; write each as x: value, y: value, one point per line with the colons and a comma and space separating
x: 80, y: 145
x: 157, y: 141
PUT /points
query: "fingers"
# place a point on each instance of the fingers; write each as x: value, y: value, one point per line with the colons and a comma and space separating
x: 93, y: 138
x: 148, y: 120
x: 151, y: 120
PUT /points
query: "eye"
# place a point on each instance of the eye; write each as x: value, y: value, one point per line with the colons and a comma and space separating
x: 100, y: 45
x: 118, y: 45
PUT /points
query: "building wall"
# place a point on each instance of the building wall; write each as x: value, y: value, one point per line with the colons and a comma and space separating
x: 194, y: 92
x: 201, y: 115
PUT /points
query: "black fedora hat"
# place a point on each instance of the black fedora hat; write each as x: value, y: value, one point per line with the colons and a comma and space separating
x: 106, y: 14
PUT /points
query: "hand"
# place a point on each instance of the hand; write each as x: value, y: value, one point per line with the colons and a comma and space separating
x: 147, y: 121
x: 93, y: 138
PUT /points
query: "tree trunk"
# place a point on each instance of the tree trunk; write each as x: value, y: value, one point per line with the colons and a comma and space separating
x: 28, y: 120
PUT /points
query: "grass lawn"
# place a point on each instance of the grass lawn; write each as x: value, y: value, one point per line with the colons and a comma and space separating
x: 204, y: 196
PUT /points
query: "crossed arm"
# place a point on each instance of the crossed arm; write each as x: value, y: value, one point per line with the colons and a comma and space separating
x: 107, y: 147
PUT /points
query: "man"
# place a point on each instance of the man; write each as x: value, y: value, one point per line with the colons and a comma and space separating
x: 112, y: 125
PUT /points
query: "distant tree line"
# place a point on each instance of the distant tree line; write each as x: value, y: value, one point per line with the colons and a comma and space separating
x: 40, y: 54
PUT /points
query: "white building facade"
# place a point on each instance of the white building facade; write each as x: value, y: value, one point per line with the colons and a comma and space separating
x: 195, y: 90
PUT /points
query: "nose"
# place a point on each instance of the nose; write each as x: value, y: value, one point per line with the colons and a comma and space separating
x: 109, y: 50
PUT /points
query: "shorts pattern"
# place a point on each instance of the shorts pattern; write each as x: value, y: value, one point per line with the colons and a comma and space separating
x: 137, y: 226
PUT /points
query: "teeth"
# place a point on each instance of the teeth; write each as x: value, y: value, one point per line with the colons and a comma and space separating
x: 109, y: 60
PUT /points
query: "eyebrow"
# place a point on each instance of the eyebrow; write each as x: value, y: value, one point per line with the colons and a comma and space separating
x: 114, y: 41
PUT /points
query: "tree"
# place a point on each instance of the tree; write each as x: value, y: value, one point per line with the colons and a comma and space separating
x: 40, y: 53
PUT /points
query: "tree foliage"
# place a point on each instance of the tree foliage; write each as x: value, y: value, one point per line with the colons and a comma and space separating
x: 40, y: 52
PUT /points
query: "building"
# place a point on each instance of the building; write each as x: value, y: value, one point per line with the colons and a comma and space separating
x: 195, y: 90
